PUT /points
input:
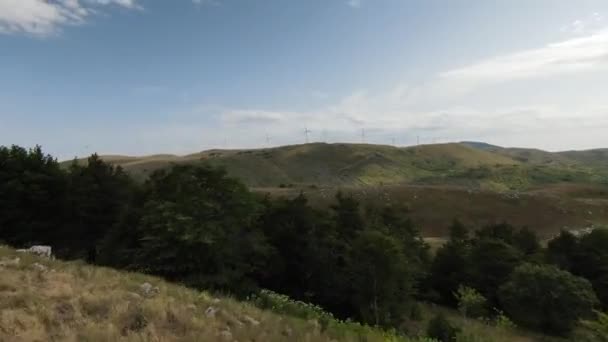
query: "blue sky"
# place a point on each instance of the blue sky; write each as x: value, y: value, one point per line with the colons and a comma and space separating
x: 179, y: 76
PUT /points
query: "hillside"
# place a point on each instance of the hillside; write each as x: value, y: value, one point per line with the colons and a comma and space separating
x: 45, y: 300
x: 473, y: 165
x: 49, y: 300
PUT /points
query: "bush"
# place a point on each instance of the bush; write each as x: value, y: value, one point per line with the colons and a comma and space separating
x: 441, y: 329
x: 470, y: 302
x: 547, y: 299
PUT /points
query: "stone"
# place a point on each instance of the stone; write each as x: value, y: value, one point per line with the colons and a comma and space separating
x: 148, y: 290
x: 211, y: 311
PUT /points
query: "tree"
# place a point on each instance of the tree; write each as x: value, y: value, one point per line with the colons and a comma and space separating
x: 347, y: 215
x: 591, y: 262
x: 381, y: 280
x: 32, y: 200
x: 451, y: 266
x: 546, y: 298
x: 470, y: 302
x: 526, y: 241
x: 492, y: 261
x: 98, y: 197
x: 562, y: 251
x: 196, y: 228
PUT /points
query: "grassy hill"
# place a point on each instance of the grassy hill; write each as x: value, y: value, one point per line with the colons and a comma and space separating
x: 49, y: 300
x: 46, y: 300
x: 475, y: 182
x: 474, y: 165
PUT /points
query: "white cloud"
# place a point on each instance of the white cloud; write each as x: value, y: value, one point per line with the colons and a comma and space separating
x: 575, y: 55
x: 43, y: 18
x: 586, y: 25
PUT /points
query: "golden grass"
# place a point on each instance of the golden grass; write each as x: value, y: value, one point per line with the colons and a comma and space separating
x: 72, y: 301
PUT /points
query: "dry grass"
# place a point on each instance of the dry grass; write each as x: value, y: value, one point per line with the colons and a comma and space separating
x: 71, y: 301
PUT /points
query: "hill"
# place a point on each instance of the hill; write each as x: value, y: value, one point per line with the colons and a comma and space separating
x: 49, y: 300
x: 473, y: 165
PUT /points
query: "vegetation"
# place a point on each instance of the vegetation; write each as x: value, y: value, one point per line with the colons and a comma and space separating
x: 353, y: 262
x: 44, y: 300
x: 546, y: 298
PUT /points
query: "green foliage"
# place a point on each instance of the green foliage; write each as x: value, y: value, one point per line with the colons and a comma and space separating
x: 585, y: 256
x: 450, y: 268
x: 32, y: 197
x: 546, y: 298
x: 470, y: 302
x: 592, y: 262
x: 492, y: 261
x: 595, y: 330
x: 195, y: 227
x: 381, y: 281
x: 441, y: 329
x: 98, y: 198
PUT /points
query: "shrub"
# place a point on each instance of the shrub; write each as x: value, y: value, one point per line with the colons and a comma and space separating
x: 546, y: 298
x: 441, y: 329
x: 470, y: 302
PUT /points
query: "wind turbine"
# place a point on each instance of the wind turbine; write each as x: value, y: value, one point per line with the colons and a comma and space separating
x: 306, y: 133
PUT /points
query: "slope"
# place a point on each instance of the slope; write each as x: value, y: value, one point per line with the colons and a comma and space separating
x: 47, y: 300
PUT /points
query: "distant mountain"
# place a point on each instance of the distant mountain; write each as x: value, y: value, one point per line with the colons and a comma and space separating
x: 470, y: 164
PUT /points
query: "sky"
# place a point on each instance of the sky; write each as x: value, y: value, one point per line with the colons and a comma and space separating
x: 141, y: 77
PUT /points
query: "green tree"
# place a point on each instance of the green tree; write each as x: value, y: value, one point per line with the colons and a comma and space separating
x: 562, y: 251
x: 526, y: 241
x: 196, y: 228
x: 98, y: 197
x: 470, y: 302
x: 381, y: 280
x: 451, y: 266
x: 492, y: 261
x: 591, y: 262
x: 546, y: 298
x: 32, y: 197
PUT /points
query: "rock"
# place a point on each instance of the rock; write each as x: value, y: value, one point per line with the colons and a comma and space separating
x: 216, y: 300
x: 211, y: 311
x: 148, y: 291
x: 40, y: 267
x: 251, y: 320
x: 10, y: 262
x: 226, y: 334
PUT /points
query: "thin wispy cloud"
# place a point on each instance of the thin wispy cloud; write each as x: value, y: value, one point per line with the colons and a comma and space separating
x: 43, y: 18
x: 586, y: 25
x: 582, y: 54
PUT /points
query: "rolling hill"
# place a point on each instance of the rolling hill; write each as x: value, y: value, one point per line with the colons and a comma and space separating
x: 471, y: 165
x: 475, y: 182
